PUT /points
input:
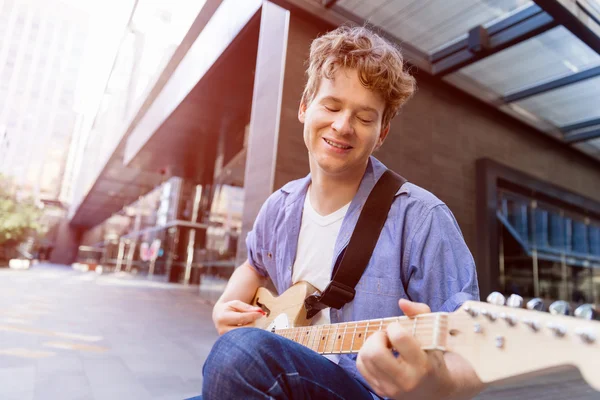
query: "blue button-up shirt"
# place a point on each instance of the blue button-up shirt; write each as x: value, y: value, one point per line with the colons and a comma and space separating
x: 421, y: 254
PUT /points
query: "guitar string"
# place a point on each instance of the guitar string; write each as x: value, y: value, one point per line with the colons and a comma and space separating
x: 421, y: 321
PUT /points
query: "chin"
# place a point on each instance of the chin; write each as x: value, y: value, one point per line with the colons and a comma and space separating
x: 333, y: 168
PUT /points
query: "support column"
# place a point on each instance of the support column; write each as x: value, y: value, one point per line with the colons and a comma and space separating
x: 276, y: 150
x: 66, y: 243
x: 265, y: 116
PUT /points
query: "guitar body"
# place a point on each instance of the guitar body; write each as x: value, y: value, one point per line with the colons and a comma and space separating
x: 285, y: 311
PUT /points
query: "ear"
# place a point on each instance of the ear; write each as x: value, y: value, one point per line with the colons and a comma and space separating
x: 384, y: 132
x: 302, y: 112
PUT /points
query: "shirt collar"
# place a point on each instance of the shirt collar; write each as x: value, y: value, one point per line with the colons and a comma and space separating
x: 297, y: 189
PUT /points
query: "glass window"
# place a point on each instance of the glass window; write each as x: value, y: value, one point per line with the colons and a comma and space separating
x: 550, y: 56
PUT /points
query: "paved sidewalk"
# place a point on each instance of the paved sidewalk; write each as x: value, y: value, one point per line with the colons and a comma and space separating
x: 72, y: 335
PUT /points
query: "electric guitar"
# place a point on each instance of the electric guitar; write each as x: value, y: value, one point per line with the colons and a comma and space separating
x: 499, y: 342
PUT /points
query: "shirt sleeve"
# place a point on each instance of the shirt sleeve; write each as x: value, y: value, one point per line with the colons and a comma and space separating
x: 254, y: 241
x: 440, y: 268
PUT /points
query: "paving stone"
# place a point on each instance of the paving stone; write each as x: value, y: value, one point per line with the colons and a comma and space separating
x: 16, y: 380
x: 155, y: 338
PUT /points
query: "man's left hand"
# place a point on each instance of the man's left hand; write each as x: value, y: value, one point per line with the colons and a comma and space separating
x: 415, y: 373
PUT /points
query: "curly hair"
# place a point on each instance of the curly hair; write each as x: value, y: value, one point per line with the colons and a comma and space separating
x: 379, y: 63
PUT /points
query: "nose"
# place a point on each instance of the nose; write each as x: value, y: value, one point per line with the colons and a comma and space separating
x: 343, y: 123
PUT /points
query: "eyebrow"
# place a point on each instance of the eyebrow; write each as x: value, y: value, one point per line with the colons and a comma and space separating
x: 362, y: 108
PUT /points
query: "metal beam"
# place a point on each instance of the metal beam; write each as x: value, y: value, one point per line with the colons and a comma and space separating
x: 412, y: 54
x: 548, y: 86
x: 581, y: 125
x: 497, y: 27
x: 564, y: 14
x: 483, y: 42
x: 583, y: 136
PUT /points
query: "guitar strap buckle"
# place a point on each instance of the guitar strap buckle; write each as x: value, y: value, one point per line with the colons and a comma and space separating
x: 335, y: 295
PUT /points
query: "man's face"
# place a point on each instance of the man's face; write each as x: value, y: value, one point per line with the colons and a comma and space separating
x: 342, y: 125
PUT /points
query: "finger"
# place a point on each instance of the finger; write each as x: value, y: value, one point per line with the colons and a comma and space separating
x: 364, y: 362
x: 408, y: 347
x: 370, y: 376
x: 244, y: 307
x: 377, y: 357
x: 234, y: 318
x: 411, y: 309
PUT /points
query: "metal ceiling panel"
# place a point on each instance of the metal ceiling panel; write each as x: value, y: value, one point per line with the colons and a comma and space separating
x: 549, y: 56
x: 568, y: 105
x: 430, y: 24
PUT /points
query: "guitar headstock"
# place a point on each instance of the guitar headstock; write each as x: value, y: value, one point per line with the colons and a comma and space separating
x: 503, y: 342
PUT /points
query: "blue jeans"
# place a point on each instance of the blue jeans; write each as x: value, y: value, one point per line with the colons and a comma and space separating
x: 249, y: 363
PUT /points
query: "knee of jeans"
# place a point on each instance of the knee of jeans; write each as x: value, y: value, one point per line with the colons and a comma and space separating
x: 237, y: 347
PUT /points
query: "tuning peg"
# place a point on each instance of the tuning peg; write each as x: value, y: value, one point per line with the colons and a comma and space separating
x: 496, y: 298
x: 560, y: 307
x: 536, y: 304
x: 515, y: 301
x: 587, y: 311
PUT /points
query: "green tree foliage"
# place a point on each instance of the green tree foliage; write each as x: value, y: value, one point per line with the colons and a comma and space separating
x: 19, y: 218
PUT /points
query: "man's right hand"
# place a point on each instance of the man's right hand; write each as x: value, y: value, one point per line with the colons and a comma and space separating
x: 234, y: 314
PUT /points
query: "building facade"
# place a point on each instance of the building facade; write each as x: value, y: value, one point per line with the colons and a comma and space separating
x: 189, y: 159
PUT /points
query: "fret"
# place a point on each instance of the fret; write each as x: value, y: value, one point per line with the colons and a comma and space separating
x: 319, y: 338
x: 380, y: 324
x: 338, y: 339
x: 353, y: 336
x: 366, y: 332
x: 333, y: 341
x: 316, y: 335
x: 414, y: 332
x: 436, y: 330
x: 296, y: 334
x: 323, y: 339
x: 306, y: 336
x: 344, y: 338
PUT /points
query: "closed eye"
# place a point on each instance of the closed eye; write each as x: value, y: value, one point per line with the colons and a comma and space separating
x: 332, y: 109
x: 365, y: 121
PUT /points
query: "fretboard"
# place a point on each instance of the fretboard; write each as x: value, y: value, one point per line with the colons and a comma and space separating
x: 430, y: 330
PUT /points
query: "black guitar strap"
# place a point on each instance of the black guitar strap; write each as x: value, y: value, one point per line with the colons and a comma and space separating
x: 362, y: 243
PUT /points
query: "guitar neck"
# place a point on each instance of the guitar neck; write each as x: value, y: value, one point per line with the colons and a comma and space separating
x: 431, y: 330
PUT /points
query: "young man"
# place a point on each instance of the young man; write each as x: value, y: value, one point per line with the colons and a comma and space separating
x: 356, y: 85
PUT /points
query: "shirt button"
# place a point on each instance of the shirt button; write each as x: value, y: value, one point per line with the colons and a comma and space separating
x: 290, y: 268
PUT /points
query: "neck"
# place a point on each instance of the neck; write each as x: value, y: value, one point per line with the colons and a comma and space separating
x: 329, y: 193
x: 430, y: 330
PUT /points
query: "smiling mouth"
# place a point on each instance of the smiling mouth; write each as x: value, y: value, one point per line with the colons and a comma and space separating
x: 337, y: 145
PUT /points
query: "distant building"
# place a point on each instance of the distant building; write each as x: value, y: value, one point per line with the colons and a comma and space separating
x: 41, y: 55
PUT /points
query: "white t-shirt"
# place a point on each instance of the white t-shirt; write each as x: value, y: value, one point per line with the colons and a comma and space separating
x: 314, y: 257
